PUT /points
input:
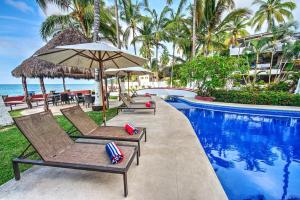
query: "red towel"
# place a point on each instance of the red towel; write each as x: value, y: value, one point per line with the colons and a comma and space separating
x: 130, y: 129
x: 148, y: 104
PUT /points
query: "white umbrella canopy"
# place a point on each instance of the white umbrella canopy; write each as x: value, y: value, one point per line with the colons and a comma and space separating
x: 92, y: 55
x: 124, y: 71
x: 127, y: 72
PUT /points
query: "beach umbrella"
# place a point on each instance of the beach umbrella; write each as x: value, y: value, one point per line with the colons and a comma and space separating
x: 92, y: 55
x: 127, y: 72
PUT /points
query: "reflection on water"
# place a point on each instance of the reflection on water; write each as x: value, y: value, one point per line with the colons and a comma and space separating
x: 255, y: 157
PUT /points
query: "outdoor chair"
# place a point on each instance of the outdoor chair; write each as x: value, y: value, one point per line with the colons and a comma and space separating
x: 64, y: 98
x: 89, y: 129
x: 79, y: 98
x: 88, y: 100
x: 127, y: 105
x: 137, y: 100
x: 57, y: 149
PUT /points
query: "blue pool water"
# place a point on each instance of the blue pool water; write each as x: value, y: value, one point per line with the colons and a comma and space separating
x: 255, y: 156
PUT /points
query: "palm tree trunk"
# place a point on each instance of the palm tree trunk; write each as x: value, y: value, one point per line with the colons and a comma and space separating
x: 271, y: 65
x: 255, y: 70
x: 173, y: 63
x: 43, y: 89
x: 95, y: 38
x: 26, y: 97
x: 194, y: 30
x: 64, y: 84
x: 134, y: 45
x: 117, y: 24
x: 156, y: 46
x: 96, y: 19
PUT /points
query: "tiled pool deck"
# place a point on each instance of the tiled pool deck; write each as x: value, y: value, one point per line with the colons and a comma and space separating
x: 173, y: 165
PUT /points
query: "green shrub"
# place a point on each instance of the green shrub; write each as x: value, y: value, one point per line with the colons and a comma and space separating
x: 259, y: 98
x: 281, y: 86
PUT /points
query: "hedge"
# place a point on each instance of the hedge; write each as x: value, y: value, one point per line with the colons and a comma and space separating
x: 259, y: 98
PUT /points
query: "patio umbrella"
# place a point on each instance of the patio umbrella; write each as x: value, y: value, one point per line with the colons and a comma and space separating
x: 92, y: 55
x: 127, y: 71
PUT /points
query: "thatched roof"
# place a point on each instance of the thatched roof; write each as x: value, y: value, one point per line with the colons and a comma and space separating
x: 34, y: 67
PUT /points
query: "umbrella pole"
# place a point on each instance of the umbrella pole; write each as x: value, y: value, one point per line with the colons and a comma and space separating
x: 102, y: 92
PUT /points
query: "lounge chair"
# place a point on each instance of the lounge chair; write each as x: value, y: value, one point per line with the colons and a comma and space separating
x: 90, y: 130
x: 137, y: 100
x: 57, y: 149
x: 135, y: 106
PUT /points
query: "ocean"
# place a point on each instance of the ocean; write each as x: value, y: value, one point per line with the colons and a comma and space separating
x: 17, y: 89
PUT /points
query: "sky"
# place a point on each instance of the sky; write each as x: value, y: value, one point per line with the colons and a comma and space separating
x: 20, y: 22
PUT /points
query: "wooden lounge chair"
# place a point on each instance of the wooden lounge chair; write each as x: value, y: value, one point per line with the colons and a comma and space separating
x: 135, y: 106
x: 136, y: 100
x: 90, y: 130
x: 57, y: 149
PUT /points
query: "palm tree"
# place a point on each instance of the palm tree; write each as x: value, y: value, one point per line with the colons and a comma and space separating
x: 257, y: 47
x: 130, y: 14
x: 117, y: 24
x: 236, y: 28
x: 81, y: 17
x: 212, y: 26
x: 174, y: 29
x: 146, y: 38
x: 272, y: 12
x: 159, y: 21
x: 279, y: 33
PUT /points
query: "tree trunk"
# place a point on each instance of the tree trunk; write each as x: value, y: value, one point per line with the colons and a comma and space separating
x: 271, y: 65
x: 255, y: 70
x: 194, y: 30
x: 64, y: 84
x: 117, y: 24
x: 96, y: 19
x: 134, y: 45
x: 43, y: 89
x: 95, y: 39
x: 157, y: 56
x: 173, y: 63
x: 27, y: 100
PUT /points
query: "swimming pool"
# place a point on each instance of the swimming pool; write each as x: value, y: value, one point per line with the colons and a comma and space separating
x: 255, y: 155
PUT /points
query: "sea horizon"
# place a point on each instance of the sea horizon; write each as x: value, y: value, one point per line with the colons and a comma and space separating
x: 17, y: 89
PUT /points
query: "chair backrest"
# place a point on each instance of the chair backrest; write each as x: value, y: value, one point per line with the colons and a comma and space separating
x: 125, y: 101
x: 128, y: 97
x: 79, y: 119
x: 14, y: 98
x: 88, y: 98
x: 45, y: 135
x: 64, y: 97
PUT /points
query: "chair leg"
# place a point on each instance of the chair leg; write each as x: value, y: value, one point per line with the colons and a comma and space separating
x: 16, y: 170
x: 125, y: 184
x: 145, y: 135
x: 137, y: 159
x: 139, y: 149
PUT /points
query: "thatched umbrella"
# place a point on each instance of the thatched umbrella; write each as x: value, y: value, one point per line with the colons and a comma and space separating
x: 34, y: 67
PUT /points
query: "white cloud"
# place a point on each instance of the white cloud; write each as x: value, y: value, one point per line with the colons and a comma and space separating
x: 20, y: 5
x: 22, y: 20
x: 19, y: 47
x: 52, y: 9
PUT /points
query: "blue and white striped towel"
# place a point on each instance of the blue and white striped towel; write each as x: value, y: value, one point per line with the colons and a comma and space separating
x: 114, y: 153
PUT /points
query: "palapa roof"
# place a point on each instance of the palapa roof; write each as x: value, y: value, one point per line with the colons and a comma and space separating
x: 34, y: 67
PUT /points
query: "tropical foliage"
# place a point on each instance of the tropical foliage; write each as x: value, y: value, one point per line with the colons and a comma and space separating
x: 212, y: 72
x: 167, y: 37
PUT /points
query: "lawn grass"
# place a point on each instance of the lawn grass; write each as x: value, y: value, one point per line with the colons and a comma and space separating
x: 12, y: 142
